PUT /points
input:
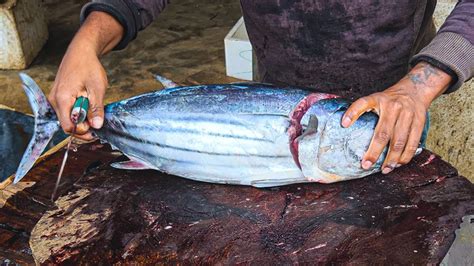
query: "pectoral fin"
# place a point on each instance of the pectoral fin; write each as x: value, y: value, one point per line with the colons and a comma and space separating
x: 130, y: 165
x: 312, y: 126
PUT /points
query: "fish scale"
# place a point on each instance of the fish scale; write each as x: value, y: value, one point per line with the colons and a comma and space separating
x: 243, y: 150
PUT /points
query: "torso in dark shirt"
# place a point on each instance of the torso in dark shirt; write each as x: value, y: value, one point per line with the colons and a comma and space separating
x: 353, y: 48
x: 348, y: 47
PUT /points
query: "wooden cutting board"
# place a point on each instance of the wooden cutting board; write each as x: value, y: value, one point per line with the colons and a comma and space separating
x: 110, y: 216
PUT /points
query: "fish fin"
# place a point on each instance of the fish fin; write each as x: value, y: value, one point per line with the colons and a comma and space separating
x: 167, y: 83
x: 132, y: 164
x: 252, y: 83
x: 46, y: 124
x: 312, y: 127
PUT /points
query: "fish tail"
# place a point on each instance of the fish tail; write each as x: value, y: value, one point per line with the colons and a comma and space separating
x: 46, y: 124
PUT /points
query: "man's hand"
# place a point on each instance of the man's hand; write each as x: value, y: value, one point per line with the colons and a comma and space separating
x: 402, y: 111
x: 82, y: 74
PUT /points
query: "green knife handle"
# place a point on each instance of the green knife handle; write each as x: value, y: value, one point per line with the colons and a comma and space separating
x: 79, y: 110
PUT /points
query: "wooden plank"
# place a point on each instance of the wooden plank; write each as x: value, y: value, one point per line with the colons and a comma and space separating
x: 110, y: 216
x: 22, y: 204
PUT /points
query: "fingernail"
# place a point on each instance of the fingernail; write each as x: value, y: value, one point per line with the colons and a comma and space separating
x: 398, y: 165
x: 346, y: 121
x: 97, y: 122
x: 366, y: 164
x: 386, y: 170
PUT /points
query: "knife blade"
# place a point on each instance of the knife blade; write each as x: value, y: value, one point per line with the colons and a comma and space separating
x: 78, y: 115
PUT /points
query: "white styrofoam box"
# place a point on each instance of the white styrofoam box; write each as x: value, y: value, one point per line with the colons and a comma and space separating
x: 238, y: 52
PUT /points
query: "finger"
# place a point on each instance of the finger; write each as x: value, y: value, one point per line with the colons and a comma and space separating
x: 95, y: 115
x: 382, y: 135
x: 87, y: 136
x: 398, y: 141
x: 82, y: 128
x: 356, y: 109
x: 63, y: 110
x: 413, y: 140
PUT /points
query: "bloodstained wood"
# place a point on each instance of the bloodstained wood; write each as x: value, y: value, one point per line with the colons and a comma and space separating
x: 110, y: 216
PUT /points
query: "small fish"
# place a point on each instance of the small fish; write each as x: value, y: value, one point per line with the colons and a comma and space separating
x: 247, y: 134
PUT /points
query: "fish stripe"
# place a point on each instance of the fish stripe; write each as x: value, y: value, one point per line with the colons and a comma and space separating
x: 203, y: 118
x: 130, y: 137
x: 138, y: 151
x: 197, y: 132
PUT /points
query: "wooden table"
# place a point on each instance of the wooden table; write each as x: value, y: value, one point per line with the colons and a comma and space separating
x: 109, y: 216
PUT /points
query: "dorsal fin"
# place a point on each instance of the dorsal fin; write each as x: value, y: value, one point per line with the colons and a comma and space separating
x: 167, y: 83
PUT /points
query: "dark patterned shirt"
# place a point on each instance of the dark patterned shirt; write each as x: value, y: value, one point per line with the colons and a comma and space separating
x: 352, y: 48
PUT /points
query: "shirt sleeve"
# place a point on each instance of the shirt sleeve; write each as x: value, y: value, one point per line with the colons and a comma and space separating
x: 133, y: 15
x: 452, y: 50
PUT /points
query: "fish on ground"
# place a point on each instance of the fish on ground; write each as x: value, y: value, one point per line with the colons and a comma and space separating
x: 242, y: 133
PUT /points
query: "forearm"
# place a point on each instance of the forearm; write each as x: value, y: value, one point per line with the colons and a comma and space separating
x: 133, y: 15
x: 429, y: 82
x: 99, y: 34
x: 453, y: 47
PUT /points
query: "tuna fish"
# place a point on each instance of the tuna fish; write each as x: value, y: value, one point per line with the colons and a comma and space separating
x: 243, y: 133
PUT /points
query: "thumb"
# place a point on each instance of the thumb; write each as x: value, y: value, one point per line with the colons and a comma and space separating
x: 357, y: 109
x: 95, y: 116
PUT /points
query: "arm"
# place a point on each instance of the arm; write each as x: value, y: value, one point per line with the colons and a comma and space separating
x: 133, y: 15
x: 402, y: 113
x: 81, y: 73
x: 443, y: 66
x: 106, y: 25
x: 452, y: 50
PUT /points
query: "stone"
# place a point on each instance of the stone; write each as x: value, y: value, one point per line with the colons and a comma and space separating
x: 23, y: 32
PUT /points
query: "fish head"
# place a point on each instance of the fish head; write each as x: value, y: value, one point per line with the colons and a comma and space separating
x: 334, y: 153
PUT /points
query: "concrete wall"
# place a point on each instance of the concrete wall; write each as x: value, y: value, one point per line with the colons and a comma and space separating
x: 452, y: 117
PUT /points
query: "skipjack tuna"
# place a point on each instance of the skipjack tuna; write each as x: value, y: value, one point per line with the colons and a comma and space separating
x: 246, y: 134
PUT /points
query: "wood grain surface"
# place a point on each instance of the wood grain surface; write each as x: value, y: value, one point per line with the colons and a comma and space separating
x: 108, y: 216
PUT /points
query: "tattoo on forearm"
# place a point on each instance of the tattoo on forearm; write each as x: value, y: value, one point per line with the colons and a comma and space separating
x: 421, y: 78
x: 429, y: 69
x: 416, y: 78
